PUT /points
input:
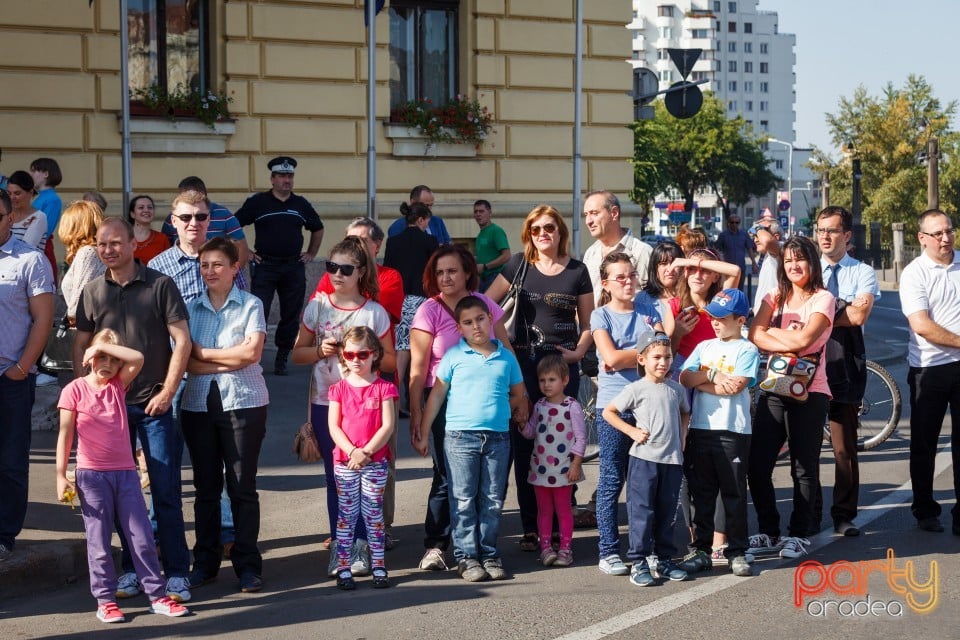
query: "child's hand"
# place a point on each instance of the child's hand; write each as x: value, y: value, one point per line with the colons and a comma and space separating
x: 575, y: 471
x: 640, y: 435
x: 728, y: 385
x: 65, y: 490
x: 329, y: 347
x: 684, y: 323
x: 359, y: 458
x: 521, y: 414
x: 420, y: 445
x: 89, y: 355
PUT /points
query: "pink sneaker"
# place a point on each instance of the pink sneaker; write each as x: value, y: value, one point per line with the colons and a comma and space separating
x: 109, y: 612
x: 548, y: 556
x: 168, y: 607
x: 564, y: 558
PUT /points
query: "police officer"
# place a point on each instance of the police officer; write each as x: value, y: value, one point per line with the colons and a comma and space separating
x: 279, y: 217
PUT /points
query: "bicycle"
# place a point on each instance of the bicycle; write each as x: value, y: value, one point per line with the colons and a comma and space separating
x: 879, y: 410
x: 587, y: 397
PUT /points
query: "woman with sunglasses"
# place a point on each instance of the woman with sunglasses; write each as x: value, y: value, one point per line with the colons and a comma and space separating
x: 408, y: 253
x: 555, y: 305
x: 326, y: 318
x: 449, y: 277
x: 797, y: 317
x: 224, y: 415
x: 29, y: 224
x: 150, y: 243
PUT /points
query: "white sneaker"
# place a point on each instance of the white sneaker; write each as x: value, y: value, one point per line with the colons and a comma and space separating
x: 128, y: 586
x: 612, y: 565
x: 178, y: 589
x: 360, y: 558
x: 433, y: 560
x: 762, y: 543
x: 793, y: 547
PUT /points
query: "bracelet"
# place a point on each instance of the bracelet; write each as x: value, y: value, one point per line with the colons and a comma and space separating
x: 350, y: 455
x: 319, y: 354
x: 20, y: 369
x: 711, y: 374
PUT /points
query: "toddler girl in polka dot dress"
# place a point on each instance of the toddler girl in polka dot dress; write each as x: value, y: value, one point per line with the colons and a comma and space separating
x: 557, y: 426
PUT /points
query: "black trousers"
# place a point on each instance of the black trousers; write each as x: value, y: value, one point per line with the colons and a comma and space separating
x: 715, y: 464
x: 436, y: 525
x: 289, y: 281
x: 800, y: 424
x: 225, y: 444
x: 844, y: 421
x: 932, y: 390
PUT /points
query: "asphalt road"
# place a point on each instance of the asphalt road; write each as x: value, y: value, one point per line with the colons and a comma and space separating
x: 542, y: 603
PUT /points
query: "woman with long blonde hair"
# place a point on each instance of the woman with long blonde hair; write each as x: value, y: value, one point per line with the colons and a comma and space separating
x: 78, y: 233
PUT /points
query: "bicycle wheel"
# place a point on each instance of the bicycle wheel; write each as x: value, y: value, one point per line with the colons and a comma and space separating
x: 879, y: 411
x: 587, y: 397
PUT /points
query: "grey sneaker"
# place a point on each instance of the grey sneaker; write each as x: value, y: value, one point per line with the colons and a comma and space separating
x: 360, y: 558
x: 178, y: 589
x: 696, y: 561
x: 762, y: 543
x: 333, y: 565
x: 668, y: 569
x: 471, y: 570
x: 432, y: 560
x: 740, y: 567
x: 641, y: 576
x: 612, y: 565
x: 791, y: 547
x: 494, y: 569
x: 128, y: 586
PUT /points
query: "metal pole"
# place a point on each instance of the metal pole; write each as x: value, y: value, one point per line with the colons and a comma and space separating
x: 126, y: 156
x: 933, y: 173
x: 577, y: 108
x: 371, y: 110
x: 790, y: 215
x: 825, y: 190
x: 859, y: 231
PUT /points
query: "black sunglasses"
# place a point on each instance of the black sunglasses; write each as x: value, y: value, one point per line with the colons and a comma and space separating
x: 345, y: 269
x: 187, y: 217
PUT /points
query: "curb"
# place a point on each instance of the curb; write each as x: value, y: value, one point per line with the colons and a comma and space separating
x: 40, y: 566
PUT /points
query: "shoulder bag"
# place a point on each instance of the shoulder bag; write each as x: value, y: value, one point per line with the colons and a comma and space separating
x: 512, y: 316
x: 789, y: 375
x: 58, y: 354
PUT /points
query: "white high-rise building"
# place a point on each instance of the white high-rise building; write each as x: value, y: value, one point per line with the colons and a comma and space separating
x: 749, y: 64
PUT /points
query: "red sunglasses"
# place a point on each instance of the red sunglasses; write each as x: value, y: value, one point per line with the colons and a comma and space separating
x: 357, y: 355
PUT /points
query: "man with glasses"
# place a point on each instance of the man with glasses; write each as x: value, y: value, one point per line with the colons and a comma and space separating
x: 26, y: 288
x: 930, y: 299
x: 279, y: 217
x: 735, y: 244
x: 855, y: 288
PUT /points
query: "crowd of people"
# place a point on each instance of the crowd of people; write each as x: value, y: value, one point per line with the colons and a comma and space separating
x: 668, y: 334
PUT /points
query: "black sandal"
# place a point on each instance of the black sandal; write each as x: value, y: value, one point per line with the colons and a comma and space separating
x: 529, y: 542
x: 345, y: 581
x: 380, y: 578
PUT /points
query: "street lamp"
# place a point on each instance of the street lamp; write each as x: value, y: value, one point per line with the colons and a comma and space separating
x: 789, y: 146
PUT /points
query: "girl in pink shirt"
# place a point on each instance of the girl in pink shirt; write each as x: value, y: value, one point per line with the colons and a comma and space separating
x: 107, y: 482
x: 361, y: 418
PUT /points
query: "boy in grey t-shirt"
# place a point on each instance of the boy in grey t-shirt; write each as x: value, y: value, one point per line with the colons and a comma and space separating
x: 661, y: 409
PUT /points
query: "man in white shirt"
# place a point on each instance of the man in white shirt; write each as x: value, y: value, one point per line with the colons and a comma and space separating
x: 601, y: 214
x: 766, y: 237
x: 930, y: 299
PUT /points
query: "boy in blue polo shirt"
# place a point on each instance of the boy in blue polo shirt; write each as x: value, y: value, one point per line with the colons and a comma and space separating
x: 718, y: 441
x: 482, y: 384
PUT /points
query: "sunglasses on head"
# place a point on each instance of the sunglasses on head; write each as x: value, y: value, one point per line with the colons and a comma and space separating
x: 345, y: 269
x: 357, y: 355
x: 187, y: 217
x: 547, y: 228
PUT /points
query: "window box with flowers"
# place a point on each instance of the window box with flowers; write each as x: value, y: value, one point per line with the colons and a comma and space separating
x: 456, y: 128
x: 180, y: 121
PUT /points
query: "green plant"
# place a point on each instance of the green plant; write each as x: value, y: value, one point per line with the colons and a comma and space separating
x: 460, y: 120
x: 207, y: 107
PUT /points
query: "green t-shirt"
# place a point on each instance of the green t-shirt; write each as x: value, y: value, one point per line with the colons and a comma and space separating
x: 491, y: 240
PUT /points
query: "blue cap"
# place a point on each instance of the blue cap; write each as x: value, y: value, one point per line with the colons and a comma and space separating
x: 728, y: 301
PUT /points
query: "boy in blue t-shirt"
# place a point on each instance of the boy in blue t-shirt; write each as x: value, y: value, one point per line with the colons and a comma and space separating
x: 718, y: 441
x: 483, y: 385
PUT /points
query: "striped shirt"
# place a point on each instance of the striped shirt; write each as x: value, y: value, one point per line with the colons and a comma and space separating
x: 239, y: 317
x: 185, y: 271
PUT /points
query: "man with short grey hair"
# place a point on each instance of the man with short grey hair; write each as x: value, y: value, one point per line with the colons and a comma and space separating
x: 601, y: 214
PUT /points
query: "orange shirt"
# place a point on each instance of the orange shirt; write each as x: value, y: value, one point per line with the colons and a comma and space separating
x: 150, y: 248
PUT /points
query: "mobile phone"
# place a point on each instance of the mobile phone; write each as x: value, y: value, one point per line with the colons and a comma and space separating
x: 689, y: 311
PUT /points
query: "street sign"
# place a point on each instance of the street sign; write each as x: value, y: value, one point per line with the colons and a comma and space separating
x: 784, y: 205
x: 784, y: 222
x: 683, y: 100
x: 684, y: 59
x: 645, y: 85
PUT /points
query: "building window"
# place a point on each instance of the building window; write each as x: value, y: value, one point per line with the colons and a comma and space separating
x: 424, y: 39
x: 749, y: 105
x: 666, y: 76
x: 763, y: 47
x: 716, y: 6
x: 748, y: 86
x: 764, y: 67
x: 665, y: 11
x: 732, y: 47
x: 764, y: 87
x: 732, y: 7
x: 636, y: 55
x: 748, y: 27
x: 169, y: 45
x: 732, y: 66
x: 699, y: 75
x: 665, y: 32
x: 663, y: 54
x: 732, y: 85
x: 764, y: 124
x: 778, y: 164
x: 748, y: 47
x: 699, y: 33
x: 764, y: 105
x: 732, y: 27
x: 748, y: 67
x: 732, y: 105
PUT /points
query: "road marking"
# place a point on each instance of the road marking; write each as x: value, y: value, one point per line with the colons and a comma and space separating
x: 896, y: 498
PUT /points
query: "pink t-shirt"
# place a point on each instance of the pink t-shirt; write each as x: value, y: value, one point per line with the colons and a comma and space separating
x: 361, y: 414
x: 433, y: 318
x: 103, y: 433
x: 821, y: 302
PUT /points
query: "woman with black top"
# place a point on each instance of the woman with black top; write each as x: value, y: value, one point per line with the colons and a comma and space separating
x: 408, y: 253
x: 555, y: 306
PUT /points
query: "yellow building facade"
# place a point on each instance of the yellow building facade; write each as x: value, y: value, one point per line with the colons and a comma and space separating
x: 297, y: 74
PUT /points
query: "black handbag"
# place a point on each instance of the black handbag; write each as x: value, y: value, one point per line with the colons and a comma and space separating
x: 58, y: 354
x: 513, y: 319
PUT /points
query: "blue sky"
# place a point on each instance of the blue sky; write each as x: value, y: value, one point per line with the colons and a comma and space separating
x: 845, y: 43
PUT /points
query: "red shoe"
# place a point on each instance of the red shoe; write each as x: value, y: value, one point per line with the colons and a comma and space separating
x: 109, y: 612
x: 168, y: 607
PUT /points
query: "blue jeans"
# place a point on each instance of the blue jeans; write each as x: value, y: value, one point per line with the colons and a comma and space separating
x: 162, y: 444
x: 614, y: 452
x: 477, y: 467
x: 16, y: 404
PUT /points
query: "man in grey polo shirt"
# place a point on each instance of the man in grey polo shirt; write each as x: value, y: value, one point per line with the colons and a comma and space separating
x: 26, y: 315
x: 146, y: 309
x: 930, y: 299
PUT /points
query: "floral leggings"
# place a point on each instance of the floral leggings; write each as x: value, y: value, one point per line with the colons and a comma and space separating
x: 360, y: 491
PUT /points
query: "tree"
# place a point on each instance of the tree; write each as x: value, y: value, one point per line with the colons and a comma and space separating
x: 887, y: 132
x: 705, y: 152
